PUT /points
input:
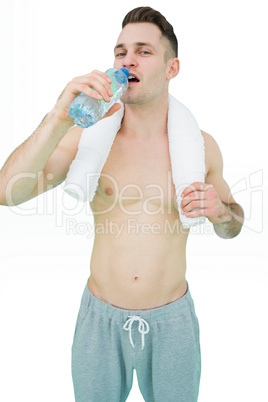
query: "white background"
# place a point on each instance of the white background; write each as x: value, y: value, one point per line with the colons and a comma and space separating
x: 44, y: 266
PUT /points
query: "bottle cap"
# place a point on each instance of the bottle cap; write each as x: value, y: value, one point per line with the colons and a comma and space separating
x: 125, y: 70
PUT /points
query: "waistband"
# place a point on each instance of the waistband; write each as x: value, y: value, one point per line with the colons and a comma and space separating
x: 163, y: 313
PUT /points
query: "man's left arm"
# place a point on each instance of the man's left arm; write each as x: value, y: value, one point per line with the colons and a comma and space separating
x: 214, y: 198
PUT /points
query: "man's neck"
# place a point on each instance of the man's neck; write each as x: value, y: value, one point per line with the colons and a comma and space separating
x: 145, y: 121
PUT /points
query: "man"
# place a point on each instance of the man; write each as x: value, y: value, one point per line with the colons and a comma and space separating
x: 136, y: 310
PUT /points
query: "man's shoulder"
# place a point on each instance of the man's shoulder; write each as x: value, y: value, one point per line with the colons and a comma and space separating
x: 210, y: 142
x: 213, y: 153
x: 207, y: 137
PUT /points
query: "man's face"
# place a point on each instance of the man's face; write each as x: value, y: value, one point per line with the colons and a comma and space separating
x: 141, y: 49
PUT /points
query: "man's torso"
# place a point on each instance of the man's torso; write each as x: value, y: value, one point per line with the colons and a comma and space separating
x: 138, y: 259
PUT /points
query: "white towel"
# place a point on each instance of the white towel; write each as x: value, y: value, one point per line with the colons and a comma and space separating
x: 186, y: 148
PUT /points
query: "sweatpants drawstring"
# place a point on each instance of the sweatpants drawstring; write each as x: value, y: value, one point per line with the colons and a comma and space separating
x: 142, y: 325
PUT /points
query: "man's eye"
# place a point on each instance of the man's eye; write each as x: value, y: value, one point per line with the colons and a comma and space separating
x: 145, y: 52
x: 120, y: 54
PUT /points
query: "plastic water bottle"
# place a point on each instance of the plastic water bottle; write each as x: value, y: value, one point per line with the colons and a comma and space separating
x: 87, y: 111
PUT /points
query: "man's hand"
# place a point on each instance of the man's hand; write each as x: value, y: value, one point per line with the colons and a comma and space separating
x: 96, y: 85
x: 204, y: 197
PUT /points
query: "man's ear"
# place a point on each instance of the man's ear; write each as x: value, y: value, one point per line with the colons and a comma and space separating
x: 173, y: 68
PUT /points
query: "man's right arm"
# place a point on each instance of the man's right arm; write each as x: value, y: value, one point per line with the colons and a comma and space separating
x: 43, y: 160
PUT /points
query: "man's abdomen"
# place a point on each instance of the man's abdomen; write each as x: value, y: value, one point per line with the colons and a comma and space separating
x: 141, y: 266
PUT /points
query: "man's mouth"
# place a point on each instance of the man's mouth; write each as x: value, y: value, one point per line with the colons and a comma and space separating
x: 133, y: 79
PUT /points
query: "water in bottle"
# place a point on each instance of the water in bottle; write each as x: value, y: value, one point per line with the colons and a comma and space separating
x: 87, y: 111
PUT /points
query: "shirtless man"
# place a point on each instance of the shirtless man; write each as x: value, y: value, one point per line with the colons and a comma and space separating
x: 136, y: 310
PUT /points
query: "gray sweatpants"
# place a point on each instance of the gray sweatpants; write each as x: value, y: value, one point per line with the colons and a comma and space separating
x: 161, y: 344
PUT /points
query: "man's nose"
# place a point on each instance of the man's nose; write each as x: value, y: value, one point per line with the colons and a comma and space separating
x: 129, y: 60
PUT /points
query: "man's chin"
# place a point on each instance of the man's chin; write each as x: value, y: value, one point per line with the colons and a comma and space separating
x: 129, y: 99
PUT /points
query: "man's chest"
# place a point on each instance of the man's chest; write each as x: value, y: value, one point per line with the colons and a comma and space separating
x: 138, y: 172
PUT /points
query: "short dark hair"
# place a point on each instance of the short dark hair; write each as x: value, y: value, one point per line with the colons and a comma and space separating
x: 148, y: 14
